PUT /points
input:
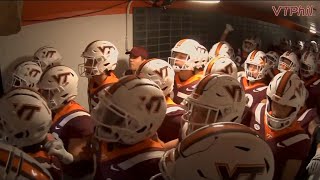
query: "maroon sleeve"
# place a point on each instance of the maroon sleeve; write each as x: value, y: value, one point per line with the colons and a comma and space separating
x: 170, y: 128
x: 79, y: 127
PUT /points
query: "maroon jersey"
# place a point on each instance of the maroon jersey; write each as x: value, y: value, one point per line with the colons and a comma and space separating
x: 291, y: 143
x: 51, y: 163
x: 183, y: 89
x: 306, y: 116
x: 170, y: 128
x: 94, y: 88
x: 72, y: 121
x: 313, y: 87
x: 255, y: 93
x: 128, y: 162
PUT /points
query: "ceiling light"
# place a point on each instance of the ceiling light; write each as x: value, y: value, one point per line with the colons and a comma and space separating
x: 313, y: 31
x: 208, y: 2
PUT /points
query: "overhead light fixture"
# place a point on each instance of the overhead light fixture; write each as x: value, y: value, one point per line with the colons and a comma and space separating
x: 313, y: 31
x: 208, y: 2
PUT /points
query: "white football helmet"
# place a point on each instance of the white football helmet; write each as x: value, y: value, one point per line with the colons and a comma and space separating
x: 273, y: 59
x: 99, y: 56
x: 47, y: 56
x: 222, y: 65
x: 195, y: 55
x: 219, y: 151
x: 25, y: 117
x: 18, y: 165
x: 130, y: 111
x: 222, y: 49
x: 26, y: 74
x: 250, y: 44
x: 314, y: 47
x: 308, y: 64
x: 257, y: 59
x: 204, y: 55
x: 286, y: 88
x: 59, y: 84
x: 217, y: 98
x: 289, y: 62
x: 299, y: 45
x: 160, y: 72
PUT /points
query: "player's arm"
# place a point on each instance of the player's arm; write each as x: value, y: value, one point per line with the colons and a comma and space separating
x: 225, y: 33
x: 76, y: 148
x: 171, y: 144
x: 80, y: 131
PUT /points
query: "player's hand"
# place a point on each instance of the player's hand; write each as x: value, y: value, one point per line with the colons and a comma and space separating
x: 229, y: 28
x: 55, y: 147
x: 314, y: 165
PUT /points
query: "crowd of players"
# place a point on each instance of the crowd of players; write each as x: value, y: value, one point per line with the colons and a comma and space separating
x: 198, y: 115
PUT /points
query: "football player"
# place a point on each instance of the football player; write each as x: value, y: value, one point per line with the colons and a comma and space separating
x: 308, y: 73
x: 162, y: 73
x: 248, y: 45
x: 127, y: 118
x: 219, y: 151
x: 47, y: 56
x: 217, y: 98
x: 221, y: 65
x: 273, y: 60
x: 25, y: 120
x: 221, y: 49
x: 71, y: 122
x: 254, y: 82
x: 100, y: 60
x: 16, y: 164
x: 188, y: 59
x: 289, y: 62
x: 26, y: 74
x: 280, y: 121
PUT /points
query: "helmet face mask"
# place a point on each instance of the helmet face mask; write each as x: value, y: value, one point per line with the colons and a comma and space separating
x: 99, y: 56
x: 179, y: 61
x: 26, y: 74
x: 217, y: 98
x: 308, y: 65
x: 286, y: 102
x: 18, y: 82
x: 137, y: 108
x: 289, y: 62
x: 90, y: 67
x: 273, y: 59
x: 254, y: 72
x: 188, y: 54
x: 199, y: 115
x: 256, y: 66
